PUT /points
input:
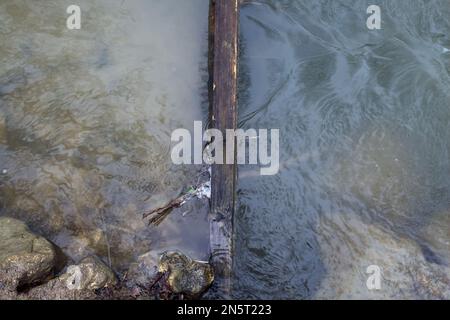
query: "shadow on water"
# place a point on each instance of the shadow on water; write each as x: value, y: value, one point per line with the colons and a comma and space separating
x: 364, y: 124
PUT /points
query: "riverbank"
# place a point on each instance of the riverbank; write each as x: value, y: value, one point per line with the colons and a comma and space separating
x: 33, y: 268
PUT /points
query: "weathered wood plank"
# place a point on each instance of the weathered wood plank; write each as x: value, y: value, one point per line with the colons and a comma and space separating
x: 224, y: 21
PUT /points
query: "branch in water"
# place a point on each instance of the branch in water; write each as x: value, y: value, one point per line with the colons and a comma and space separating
x: 158, y: 215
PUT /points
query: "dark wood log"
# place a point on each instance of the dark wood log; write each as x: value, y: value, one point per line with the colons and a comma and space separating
x: 223, y: 58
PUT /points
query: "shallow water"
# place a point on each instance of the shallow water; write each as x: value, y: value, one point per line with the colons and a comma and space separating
x: 365, y: 143
x: 86, y: 118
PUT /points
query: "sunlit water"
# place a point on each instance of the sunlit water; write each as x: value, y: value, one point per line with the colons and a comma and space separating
x: 365, y: 142
x: 86, y: 118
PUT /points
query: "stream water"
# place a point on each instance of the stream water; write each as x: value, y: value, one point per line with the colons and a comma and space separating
x: 86, y: 118
x: 364, y: 119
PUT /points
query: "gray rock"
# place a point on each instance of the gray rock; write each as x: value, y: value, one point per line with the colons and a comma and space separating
x: 79, y: 282
x: 145, y: 269
x: 90, y: 274
x: 185, y: 275
x: 56, y: 289
x: 26, y: 259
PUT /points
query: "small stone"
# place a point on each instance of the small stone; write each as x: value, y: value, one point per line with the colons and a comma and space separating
x: 185, y: 275
x: 26, y: 259
x: 144, y: 269
x: 90, y: 274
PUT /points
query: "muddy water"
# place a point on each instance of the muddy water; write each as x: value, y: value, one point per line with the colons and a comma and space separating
x: 365, y: 143
x: 86, y: 118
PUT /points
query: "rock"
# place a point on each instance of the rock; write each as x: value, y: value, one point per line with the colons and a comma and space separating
x: 26, y: 259
x: 406, y: 273
x: 90, y: 274
x: 185, y: 275
x: 56, y: 289
x: 79, y: 282
x: 144, y: 270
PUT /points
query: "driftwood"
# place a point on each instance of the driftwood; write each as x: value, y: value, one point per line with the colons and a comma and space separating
x: 223, y: 56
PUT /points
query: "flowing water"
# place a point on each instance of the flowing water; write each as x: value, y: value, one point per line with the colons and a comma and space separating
x: 364, y: 119
x: 86, y: 117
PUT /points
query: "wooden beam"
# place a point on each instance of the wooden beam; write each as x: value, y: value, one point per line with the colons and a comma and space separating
x: 223, y: 58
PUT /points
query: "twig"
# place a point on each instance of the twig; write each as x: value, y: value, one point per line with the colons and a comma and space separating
x: 158, y: 215
x: 158, y: 278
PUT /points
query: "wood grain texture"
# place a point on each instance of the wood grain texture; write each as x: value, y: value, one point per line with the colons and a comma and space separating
x: 224, y: 22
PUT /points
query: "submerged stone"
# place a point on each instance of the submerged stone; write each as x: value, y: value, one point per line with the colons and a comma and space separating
x: 26, y: 259
x: 79, y: 282
x: 144, y: 269
x: 185, y: 275
x: 90, y: 274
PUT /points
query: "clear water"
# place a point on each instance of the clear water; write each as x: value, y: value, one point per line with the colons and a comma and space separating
x: 365, y: 142
x: 86, y: 118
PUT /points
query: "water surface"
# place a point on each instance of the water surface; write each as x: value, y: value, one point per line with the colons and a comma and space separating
x: 86, y: 117
x: 365, y: 143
